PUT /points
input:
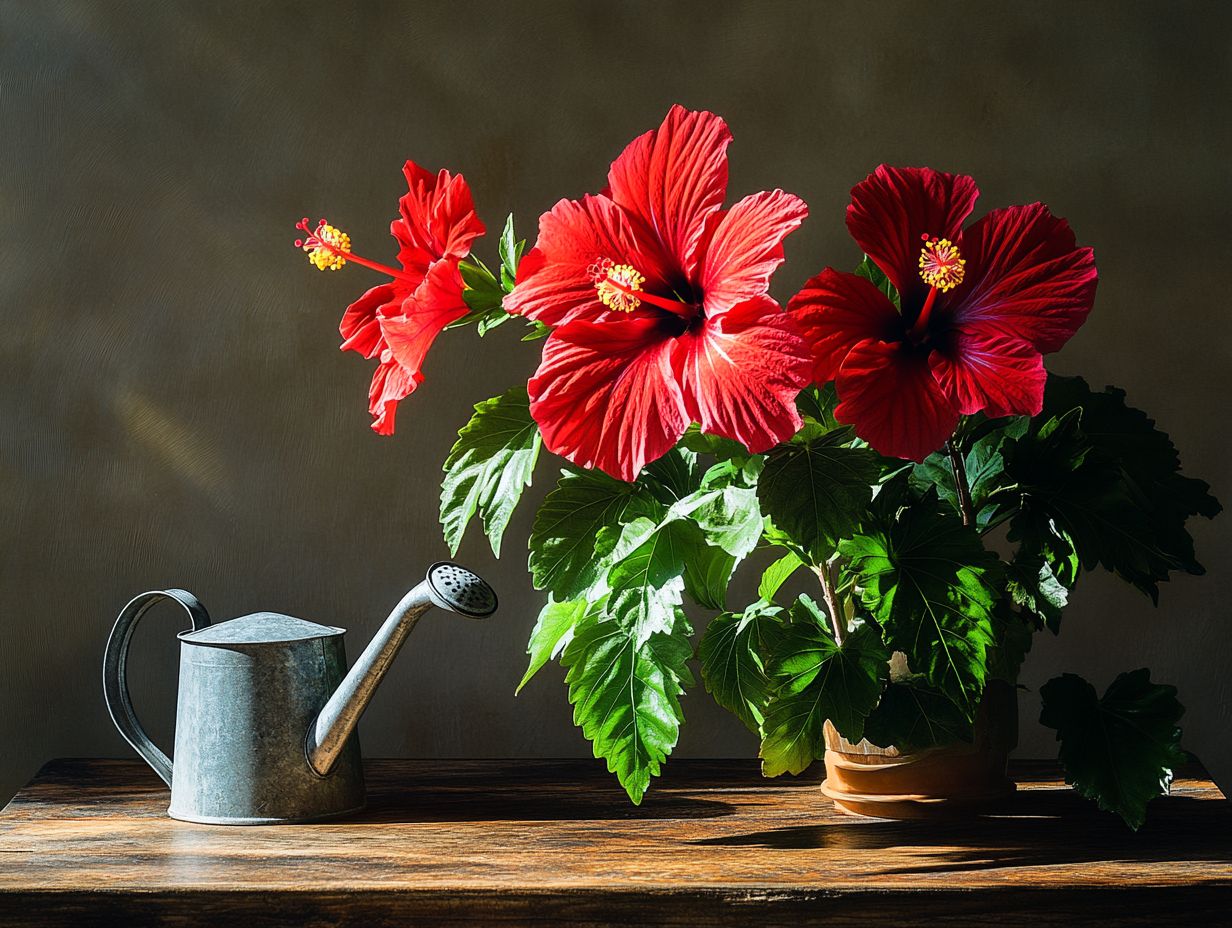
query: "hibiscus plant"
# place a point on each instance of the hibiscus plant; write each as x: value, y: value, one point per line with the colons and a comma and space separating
x: 891, y: 437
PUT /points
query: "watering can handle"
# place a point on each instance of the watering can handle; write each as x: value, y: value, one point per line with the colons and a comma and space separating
x: 115, y: 672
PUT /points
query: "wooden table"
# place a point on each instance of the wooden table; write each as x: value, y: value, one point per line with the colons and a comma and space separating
x: 515, y: 842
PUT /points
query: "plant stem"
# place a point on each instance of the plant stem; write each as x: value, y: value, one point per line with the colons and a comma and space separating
x: 961, y: 488
x: 831, y: 598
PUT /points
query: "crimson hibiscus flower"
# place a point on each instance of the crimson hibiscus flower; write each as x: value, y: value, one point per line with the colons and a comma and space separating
x: 657, y: 299
x: 979, y: 308
x: 396, y: 322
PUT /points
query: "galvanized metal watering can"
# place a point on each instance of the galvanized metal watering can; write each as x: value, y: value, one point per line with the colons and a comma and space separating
x: 266, y: 717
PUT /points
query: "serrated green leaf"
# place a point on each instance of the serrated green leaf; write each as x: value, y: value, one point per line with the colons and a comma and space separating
x: 729, y: 517
x: 707, y: 573
x: 625, y: 696
x: 733, y: 652
x: 816, y: 680
x: 818, y: 492
x: 1121, y: 749
x: 1102, y: 475
x: 776, y: 575
x: 672, y: 477
x: 1033, y: 585
x: 488, y: 467
x: 928, y: 581
x: 984, y: 466
x: 646, y: 575
x: 552, y: 633
x: 913, y: 717
x: 565, y: 551
x: 872, y: 273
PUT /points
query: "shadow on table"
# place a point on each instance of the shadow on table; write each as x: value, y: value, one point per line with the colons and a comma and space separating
x: 416, y: 805
x: 1040, y: 829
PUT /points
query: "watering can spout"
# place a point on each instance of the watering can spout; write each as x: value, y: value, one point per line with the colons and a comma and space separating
x: 447, y: 586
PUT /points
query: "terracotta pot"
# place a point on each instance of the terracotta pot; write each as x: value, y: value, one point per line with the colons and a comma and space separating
x: 955, y: 780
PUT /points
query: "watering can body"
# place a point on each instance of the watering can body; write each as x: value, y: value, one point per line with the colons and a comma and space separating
x: 267, y: 710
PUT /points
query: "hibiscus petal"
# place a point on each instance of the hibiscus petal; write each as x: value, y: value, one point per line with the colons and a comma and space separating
x: 835, y: 311
x: 746, y: 247
x: 605, y: 395
x: 893, y: 207
x: 992, y: 372
x: 888, y: 393
x: 1026, y: 277
x: 670, y: 179
x: 740, y: 373
x: 556, y: 279
x: 437, y: 218
x: 391, y: 383
x: 435, y: 303
x: 359, y: 327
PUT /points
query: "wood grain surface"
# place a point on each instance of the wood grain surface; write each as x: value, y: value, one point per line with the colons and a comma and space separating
x: 517, y: 842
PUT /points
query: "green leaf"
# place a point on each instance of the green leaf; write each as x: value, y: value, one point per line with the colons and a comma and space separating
x: 729, y: 517
x: 871, y: 272
x: 716, y: 445
x: 1120, y: 750
x: 814, y: 680
x: 1032, y: 584
x: 565, y: 548
x: 776, y: 575
x: 733, y: 654
x: 1097, y: 473
x: 488, y: 467
x: 625, y: 696
x: 646, y: 576
x: 818, y: 492
x: 552, y: 632
x: 912, y: 717
x: 928, y: 581
x: 984, y: 466
x: 816, y: 405
x: 707, y: 573
x: 510, y: 250
x: 672, y: 477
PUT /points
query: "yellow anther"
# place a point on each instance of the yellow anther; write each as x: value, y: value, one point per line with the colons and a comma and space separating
x: 325, y: 247
x: 618, y: 285
x: 941, y: 266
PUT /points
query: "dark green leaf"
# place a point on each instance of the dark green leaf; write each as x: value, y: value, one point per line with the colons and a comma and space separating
x: 912, y: 717
x: 718, y: 446
x: 1032, y: 584
x: 488, y: 467
x: 816, y: 680
x: 928, y: 581
x: 818, y: 492
x: 707, y: 572
x: 625, y: 696
x: 871, y: 272
x: 1099, y: 474
x: 1013, y: 634
x: 565, y: 552
x: 733, y: 654
x: 672, y: 477
x: 1120, y: 750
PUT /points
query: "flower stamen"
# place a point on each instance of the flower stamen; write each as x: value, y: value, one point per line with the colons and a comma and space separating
x: 327, y: 246
x: 941, y: 265
x: 618, y: 285
x: 329, y: 249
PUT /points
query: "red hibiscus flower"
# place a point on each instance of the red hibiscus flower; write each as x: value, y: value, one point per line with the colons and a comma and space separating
x: 980, y: 307
x: 657, y: 299
x: 396, y: 322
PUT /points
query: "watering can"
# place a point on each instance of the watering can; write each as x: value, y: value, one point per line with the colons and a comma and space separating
x: 267, y: 711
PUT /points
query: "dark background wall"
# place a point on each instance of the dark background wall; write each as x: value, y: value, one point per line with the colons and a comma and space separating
x: 174, y: 409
